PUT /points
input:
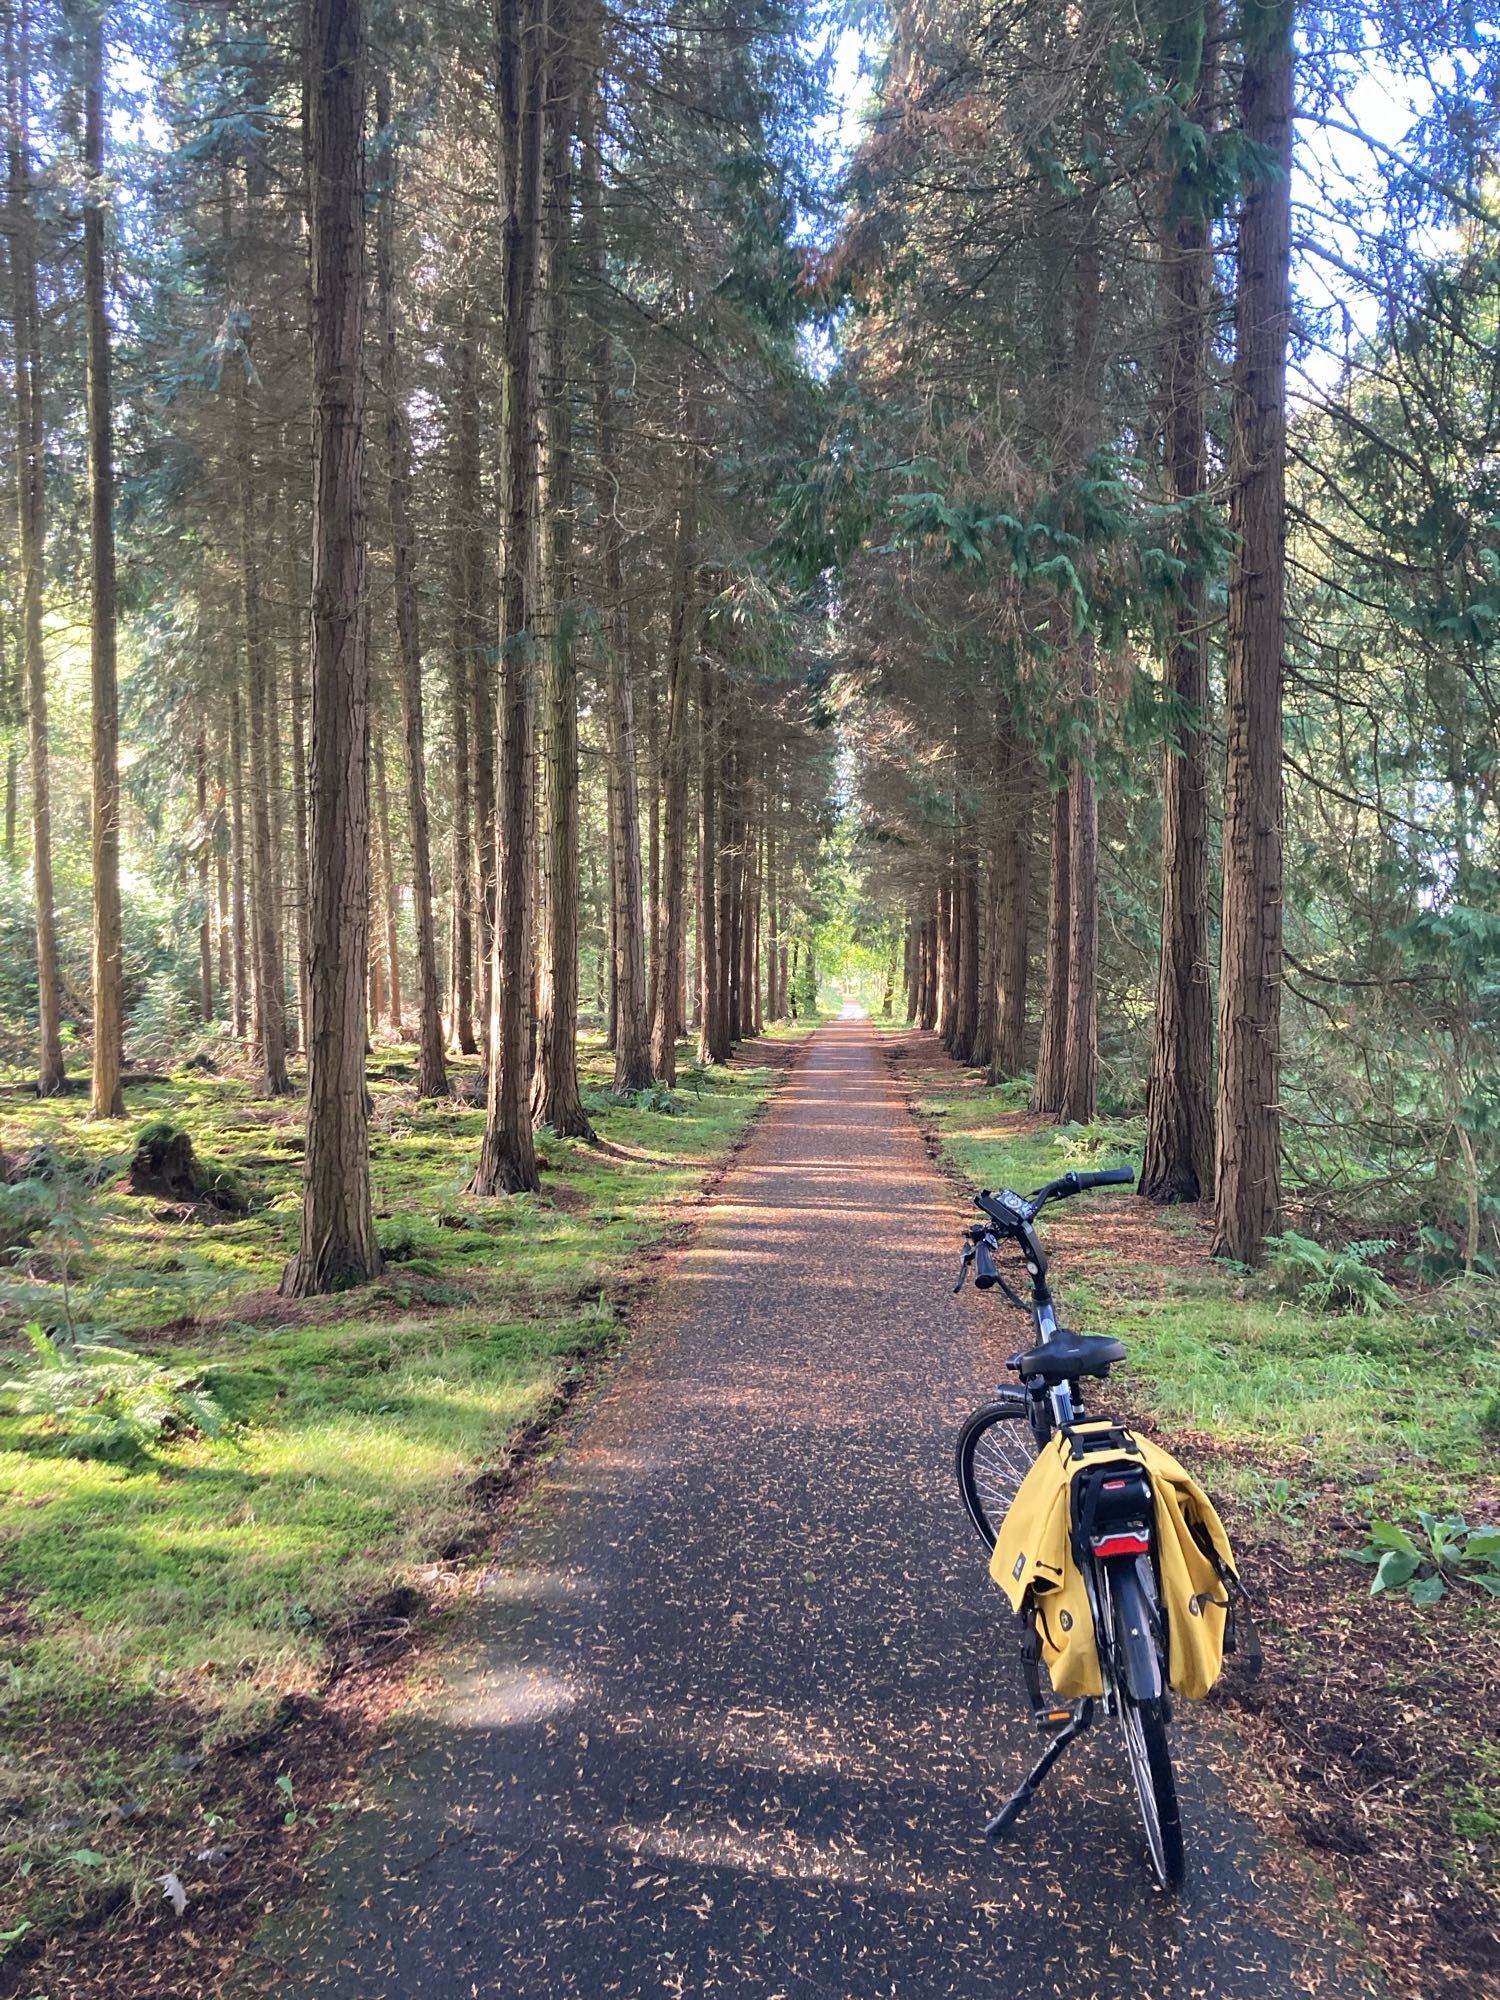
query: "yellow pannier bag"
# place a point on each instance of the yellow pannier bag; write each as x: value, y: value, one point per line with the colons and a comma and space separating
x: 1035, y: 1566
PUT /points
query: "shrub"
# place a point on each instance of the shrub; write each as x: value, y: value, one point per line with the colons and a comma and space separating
x: 96, y: 1400
x: 1326, y: 1278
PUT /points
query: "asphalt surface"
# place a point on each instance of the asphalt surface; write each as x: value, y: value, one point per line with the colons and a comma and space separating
x: 733, y: 1708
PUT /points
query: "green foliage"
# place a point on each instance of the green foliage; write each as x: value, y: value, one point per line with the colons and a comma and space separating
x: 1330, y: 1278
x: 96, y: 1400
x: 1443, y: 1552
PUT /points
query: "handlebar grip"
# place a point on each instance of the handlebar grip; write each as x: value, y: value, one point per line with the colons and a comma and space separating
x: 1111, y: 1177
x: 985, y: 1274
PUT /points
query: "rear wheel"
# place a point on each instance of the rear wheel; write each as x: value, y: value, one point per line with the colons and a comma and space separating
x: 995, y: 1452
x: 1143, y: 1726
x: 1150, y: 1760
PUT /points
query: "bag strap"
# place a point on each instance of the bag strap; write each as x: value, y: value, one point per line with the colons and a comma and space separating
x: 1239, y: 1607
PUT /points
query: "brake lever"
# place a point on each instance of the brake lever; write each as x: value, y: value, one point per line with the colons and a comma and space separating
x: 963, y: 1266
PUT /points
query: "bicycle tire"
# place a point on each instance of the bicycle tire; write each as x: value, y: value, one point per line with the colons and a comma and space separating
x: 1143, y: 1727
x: 994, y: 1453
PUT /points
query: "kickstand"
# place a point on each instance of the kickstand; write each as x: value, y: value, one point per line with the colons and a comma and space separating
x: 1020, y: 1799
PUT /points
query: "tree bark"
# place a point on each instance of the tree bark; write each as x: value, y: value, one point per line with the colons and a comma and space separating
x: 556, y: 1101
x: 337, y: 1246
x: 1247, y: 1173
x: 297, y: 626
x: 106, y: 1099
x: 432, y: 1075
x: 1080, y: 1080
x: 507, y: 1159
x: 269, y: 986
x: 1012, y: 865
x: 31, y: 501
x: 1047, y: 1092
x: 713, y: 1028
x: 1177, y: 1161
x: 387, y: 898
x: 680, y: 650
x: 205, y: 921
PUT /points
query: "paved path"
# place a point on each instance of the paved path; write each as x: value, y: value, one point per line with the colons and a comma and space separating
x: 731, y: 1712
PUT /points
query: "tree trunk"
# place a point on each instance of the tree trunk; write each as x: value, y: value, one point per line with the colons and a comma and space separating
x: 966, y: 1001
x: 205, y: 921
x: 269, y: 987
x: 388, y: 901
x: 1012, y: 866
x: 473, y: 715
x: 555, y: 1100
x: 31, y: 546
x: 1177, y: 1161
x: 680, y: 650
x: 713, y: 1029
x: 1247, y: 1174
x: 481, y: 632
x: 106, y: 1099
x: 240, y: 996
x: 507, y: 1159
x: 1080, y: 1082
x: 338, y: 1246
x: 1047, y: 1092
x: 301, y: 892
x: 947, y: 954
x: 629, y: 1016
x: 432, y: 1075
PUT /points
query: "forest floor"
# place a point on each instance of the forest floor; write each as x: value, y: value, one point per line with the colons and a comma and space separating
x: 225, y: 1527
x: 1373, y: 1727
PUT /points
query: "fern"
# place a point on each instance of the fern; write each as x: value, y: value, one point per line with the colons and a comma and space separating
x: 97, y: 1400
x: 1329, y: 1279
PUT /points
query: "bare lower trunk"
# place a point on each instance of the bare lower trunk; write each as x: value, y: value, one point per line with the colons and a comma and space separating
x: 388, y: 898
x: 270, y: 991
x: 1248, y: 1155
x: 1177, y: 1160
x: 1047, y: 1092
x: 1080, y: 1082
x: 507, y: 1159
x: 680, y: 650
x: 106, y: 1099
x: 1012, y: 912
x: 31, y: 540
x: 432, y: 1075
x: 337, y: 1246
x: 556, y: 1101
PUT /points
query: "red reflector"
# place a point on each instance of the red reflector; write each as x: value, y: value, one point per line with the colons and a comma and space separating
x: 1134, y: 1542
x: 1113, y: 1485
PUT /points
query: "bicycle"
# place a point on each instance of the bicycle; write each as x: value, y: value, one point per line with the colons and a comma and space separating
x: 997, y: 1447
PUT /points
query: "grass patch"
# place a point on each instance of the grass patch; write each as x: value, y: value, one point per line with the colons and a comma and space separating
x: 165, y: 1599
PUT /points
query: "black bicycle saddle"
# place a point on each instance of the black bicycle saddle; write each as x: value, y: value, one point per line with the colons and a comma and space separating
x: 1067, y: 1355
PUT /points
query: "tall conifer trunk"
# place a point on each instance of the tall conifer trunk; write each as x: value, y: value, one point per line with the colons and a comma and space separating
x: 106, y: 1099
x: 556, y: 1101
x: 507, y: 1159
x: 432, y: 1075
x: 1047, y: 1092
x: 337, y: 1246
x: 1177, y: 1161
x: 1247, y: 1173
x: 680, y: 649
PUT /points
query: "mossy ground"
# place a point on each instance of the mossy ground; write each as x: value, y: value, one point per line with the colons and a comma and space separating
x: 160, y: 1602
